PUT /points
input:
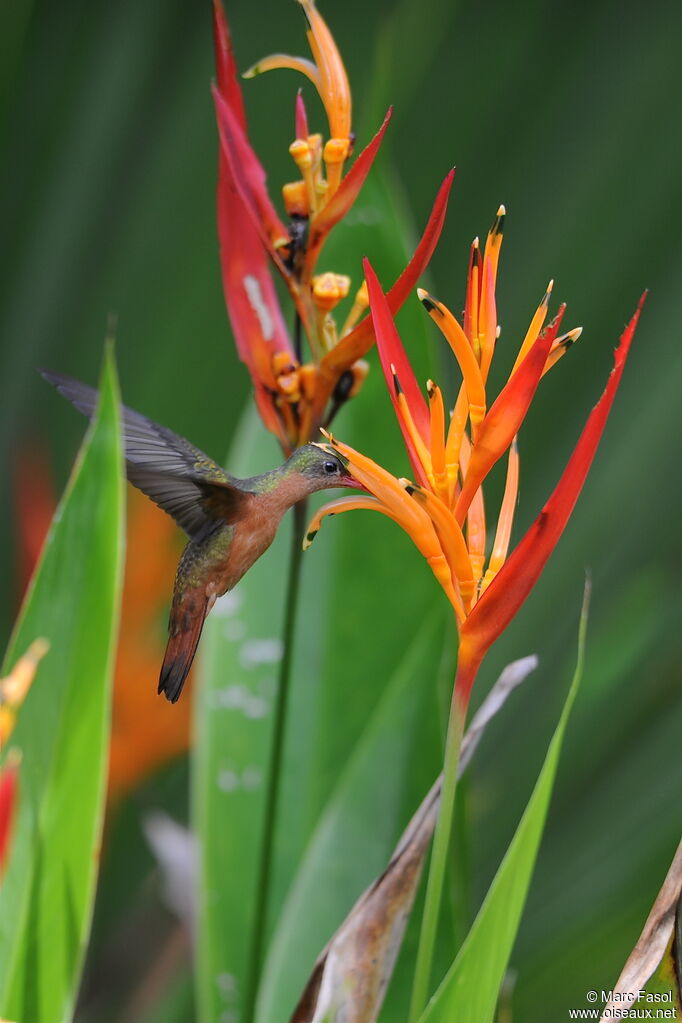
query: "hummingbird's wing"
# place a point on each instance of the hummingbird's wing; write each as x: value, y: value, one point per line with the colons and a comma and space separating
x: 177, y: 476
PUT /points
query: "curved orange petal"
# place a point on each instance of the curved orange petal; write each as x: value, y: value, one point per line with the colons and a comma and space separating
x: 502, y: 422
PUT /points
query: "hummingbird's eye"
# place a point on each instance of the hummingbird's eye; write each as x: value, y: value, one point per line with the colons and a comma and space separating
x: 331, y: 468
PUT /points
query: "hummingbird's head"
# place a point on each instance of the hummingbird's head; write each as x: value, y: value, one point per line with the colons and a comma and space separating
x: 322, y: 467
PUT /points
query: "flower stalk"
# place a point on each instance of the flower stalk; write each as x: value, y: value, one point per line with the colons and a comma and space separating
x: 439, y: 858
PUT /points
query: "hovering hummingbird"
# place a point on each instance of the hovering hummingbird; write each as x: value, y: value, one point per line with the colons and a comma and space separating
x: 230, y: 522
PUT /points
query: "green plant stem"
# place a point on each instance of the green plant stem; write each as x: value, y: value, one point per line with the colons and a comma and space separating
x: 275, y: 771
x: 439, y: 856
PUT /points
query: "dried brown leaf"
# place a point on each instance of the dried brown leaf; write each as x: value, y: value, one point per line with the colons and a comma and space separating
x: 653, y: 943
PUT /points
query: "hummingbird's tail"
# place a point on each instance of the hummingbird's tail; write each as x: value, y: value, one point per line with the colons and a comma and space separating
x: 186, y: 622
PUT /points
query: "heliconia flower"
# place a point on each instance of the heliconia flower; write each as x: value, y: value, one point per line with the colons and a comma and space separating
x: 13, y: 690
x: 9, y: 791
x: 443, y: 509
x: 295, y: 398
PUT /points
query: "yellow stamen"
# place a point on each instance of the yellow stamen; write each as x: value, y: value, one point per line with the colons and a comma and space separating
x: 320, y: 185
x: 360, y: 303
x: 304, y: 157
x: 505, y: 520
x: 560, y: 346
x: 335, y: 153
x: 437, y: 439
x: 534, y: 329
x: 464, y: 354
x: 329, y: 289
x: 296, y: 196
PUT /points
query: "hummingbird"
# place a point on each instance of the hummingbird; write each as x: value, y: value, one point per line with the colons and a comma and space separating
x: 230, y: 522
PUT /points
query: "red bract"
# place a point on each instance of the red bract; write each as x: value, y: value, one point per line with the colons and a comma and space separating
x: 9, y: 792
x: 295, y: 398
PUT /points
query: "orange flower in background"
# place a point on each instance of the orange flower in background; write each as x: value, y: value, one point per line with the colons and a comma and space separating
x: 443, y: 510
x: 295, y: 398
x: 145, y: 732
x: 13, y: 690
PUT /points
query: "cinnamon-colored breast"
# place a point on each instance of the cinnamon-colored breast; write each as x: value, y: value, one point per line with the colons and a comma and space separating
x: 251, y: 537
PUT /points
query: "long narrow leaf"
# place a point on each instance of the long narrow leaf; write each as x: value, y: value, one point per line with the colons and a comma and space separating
x: 240, y: 654
x: 62, y: 732
x: 357, y: 829
x: 471, y: 987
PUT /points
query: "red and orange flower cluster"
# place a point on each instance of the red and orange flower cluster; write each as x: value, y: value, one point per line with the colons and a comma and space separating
x: 442, y: 508
x: 13, y: 690
x: 296, y: 397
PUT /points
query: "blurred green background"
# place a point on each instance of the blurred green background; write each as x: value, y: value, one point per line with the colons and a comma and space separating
x: 566, y: 112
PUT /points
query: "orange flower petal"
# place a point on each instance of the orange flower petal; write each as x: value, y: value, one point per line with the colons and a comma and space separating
x: 520, y: 572
x: 283, y: 61
x: 534, y: 328
x: 340, y: 505
x: 472, y: 292
x: 502, y: 422
x: 506, y: 518
x: 463, y: 352
x: 334, y: 88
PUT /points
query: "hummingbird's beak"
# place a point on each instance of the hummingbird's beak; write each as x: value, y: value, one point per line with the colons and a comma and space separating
x: 350, y: 481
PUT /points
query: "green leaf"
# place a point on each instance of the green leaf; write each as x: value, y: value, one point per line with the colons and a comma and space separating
x: 471, y: 986
x: 62, y: 732
x: 359, y: 826
x: 239, y: 660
